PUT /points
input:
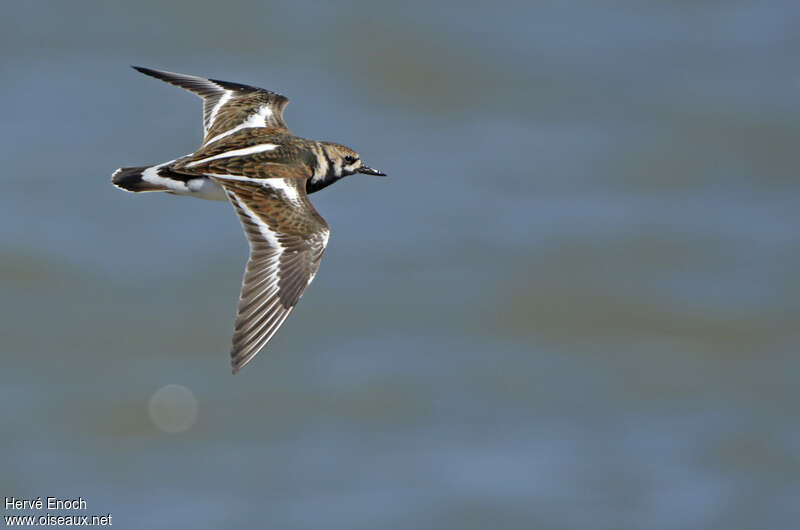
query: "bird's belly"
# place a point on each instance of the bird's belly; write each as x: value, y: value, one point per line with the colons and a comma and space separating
x: 203, y: 188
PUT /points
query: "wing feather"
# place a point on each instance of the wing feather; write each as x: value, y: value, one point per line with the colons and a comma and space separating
x: 228, y: 107
x: 287, y: 238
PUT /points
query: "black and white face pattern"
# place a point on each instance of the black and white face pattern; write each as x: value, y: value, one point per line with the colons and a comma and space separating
x: 351, y: 164
x: 334, y: 161
x: 344, y: 161
x: 348, y: 162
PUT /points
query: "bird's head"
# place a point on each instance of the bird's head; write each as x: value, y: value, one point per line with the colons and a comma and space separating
x: 334, y: 161
x: 345, y: 161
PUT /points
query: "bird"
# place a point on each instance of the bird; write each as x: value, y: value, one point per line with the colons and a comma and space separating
x: 250, y: 158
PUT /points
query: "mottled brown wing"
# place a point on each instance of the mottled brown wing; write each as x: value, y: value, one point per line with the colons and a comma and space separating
x: 287, y: 237
x: 253, y: 153
x: 228, y: 107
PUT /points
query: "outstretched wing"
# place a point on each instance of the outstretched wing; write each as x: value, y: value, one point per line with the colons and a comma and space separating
x: 287, y: 237
x: 228, y: 107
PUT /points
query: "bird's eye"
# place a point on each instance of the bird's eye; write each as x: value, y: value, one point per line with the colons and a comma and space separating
x: 349, y: 159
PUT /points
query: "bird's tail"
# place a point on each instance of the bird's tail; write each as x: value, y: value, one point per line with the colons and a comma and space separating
x: 133, y: 179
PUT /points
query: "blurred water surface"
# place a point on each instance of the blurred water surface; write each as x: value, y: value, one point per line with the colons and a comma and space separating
x: 573, y: 304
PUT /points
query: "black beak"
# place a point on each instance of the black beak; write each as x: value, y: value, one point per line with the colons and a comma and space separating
x: 369, y: 171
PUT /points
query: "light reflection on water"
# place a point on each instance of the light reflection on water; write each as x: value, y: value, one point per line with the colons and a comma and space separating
x: 571, y: 305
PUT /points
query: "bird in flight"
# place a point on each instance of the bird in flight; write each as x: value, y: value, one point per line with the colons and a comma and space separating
x: 251, y: 159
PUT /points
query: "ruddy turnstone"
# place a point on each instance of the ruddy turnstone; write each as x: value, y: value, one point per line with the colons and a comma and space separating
x: 250, y: 158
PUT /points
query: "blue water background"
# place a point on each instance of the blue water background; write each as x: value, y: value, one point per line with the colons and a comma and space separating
x: 573, y: 304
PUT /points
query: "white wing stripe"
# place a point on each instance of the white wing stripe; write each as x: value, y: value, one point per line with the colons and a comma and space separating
x: 235, y: 177
x: 260, y: 148
x: 263, y: 228
x: 222, y: 101
x: 257, y: 119
x: 288, y: 190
